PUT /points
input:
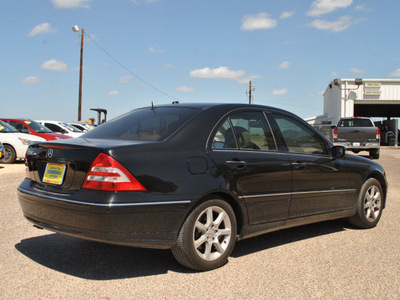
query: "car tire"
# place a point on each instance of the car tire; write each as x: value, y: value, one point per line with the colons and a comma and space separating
x: 207, y: 236
x: 9, y: 155
x: 369, y: 205
x: 374, y: 154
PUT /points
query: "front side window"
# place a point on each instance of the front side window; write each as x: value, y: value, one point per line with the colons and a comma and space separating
x: 298, y: 137
x: 247, y: 130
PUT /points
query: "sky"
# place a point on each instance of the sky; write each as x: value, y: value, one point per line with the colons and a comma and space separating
x: 141, y: 51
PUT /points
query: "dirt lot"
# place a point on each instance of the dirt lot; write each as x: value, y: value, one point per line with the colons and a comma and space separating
x: 329, y: 260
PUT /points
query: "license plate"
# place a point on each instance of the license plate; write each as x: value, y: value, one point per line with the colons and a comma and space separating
x: 54, y: 173
x: 356, y: 144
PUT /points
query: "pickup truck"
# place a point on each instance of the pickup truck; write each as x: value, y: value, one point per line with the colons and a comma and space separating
x: 358, y: 134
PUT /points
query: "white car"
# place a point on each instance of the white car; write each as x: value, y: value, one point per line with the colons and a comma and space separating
x: 83, y: 126
x: 61, y: 127
x: 15, y: 143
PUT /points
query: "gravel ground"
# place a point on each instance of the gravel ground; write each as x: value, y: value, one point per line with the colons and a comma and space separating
x: 328, y: 260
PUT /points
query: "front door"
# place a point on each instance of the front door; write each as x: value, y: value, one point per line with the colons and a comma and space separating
x: 319, y: 183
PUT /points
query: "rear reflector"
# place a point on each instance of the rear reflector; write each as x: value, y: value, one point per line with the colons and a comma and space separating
x: 107, y: 174
x: 27, y: 174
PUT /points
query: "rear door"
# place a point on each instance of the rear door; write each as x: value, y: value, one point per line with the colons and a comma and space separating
x: 245, y: 152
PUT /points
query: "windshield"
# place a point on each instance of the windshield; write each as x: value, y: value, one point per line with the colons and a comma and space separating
x: 70, y: 127
x: 5, y: 128
x: 144, y: 124
x: 39, y: 128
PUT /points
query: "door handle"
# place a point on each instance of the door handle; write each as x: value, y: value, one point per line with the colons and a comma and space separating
x: 299, y: 166
x: 236, y: 164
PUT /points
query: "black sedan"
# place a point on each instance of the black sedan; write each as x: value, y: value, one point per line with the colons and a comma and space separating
x: 195, y: 179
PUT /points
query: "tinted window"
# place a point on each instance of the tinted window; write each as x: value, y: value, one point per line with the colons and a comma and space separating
x: 298, y: 137
x: 16, y: 125
x: 224, y: 138
x: 356, y: 123
x: 247, y: 130
x: 144, y: 124
x: 53, y: 127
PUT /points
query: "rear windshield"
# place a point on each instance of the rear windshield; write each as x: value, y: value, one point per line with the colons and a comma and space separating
x: 356, y: 123
x: 145, y: 124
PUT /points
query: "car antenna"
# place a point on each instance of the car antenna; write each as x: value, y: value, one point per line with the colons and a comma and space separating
x: 152, y: 107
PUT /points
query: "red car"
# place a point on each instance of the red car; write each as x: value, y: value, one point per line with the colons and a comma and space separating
x: 32, y: 127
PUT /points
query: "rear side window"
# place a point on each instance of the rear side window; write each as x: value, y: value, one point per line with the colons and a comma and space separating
x: 144, y: 124
x: 246, y: 130
x: 356, y: 123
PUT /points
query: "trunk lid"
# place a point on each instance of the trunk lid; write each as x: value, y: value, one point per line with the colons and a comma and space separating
x: 63, y: 165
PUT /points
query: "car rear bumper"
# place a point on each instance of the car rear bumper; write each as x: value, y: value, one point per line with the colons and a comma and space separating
x: 359, y: 145
x: 148, y: 225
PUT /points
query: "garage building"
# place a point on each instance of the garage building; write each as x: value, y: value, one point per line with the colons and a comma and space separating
x: 374, y: 98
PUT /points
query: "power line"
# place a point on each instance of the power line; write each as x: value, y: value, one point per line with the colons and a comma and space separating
x: 129, y: 71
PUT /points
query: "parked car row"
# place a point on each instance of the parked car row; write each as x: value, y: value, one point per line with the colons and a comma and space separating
x: 17, y: 134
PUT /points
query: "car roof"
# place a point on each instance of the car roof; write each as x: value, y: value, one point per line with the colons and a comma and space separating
x: 204, y: 106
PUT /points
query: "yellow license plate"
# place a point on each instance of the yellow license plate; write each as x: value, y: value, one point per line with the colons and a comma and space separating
x: 54, y: 173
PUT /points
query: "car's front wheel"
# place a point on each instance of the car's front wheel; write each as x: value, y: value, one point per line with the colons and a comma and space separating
x: 207, y: 237
x: 9, y: 155
x: 369, y: 205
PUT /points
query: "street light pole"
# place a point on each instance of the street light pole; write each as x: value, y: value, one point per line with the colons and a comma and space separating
x: 76, y: 29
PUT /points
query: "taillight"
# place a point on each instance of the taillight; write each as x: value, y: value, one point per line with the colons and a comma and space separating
x: 378, y: 134
x: 107, y: 174
x: 335, y: 133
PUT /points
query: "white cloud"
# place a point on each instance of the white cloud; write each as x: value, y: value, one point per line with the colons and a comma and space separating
x: 126, y: 79
x: 258, y: 21
x: 113, y: 93
x: 31, y: 80
x: 154, y: 50
x: 169, y: 66
x: 357, y: 71
x: 341, y: 24
x: 396, y: 73
x: 284, y: 65
x: 43, y: 28
x: 71, y: 3
x: 362, y: 7
x: 280, y: 92
x: 54, y: 65
x: 137, y: 2
x: 287, y: 14
x: 185, y: 89
x: 334, y: 74
x: 222, y: 72
x: 321, y: 7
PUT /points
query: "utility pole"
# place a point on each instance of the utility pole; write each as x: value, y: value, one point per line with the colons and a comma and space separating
x: 76, y: 29
x: 250, y: 90
x: 80, y: 80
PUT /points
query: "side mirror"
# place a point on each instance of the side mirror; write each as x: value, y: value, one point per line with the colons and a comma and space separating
x: 338, y: 151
